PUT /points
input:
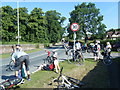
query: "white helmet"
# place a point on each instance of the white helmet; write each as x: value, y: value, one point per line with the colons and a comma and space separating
x: 55, y: 54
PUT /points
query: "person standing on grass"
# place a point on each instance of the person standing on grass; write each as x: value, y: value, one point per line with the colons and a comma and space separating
x: 96, y: 50
x: 20, y: 57
x: 78, y: 46
x: 99, y: 48
x: 108, y: 48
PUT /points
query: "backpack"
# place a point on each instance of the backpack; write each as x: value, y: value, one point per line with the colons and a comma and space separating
x: 52, y: 66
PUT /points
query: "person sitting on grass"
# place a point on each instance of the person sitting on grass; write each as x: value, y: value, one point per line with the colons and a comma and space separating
x: 50, y: 67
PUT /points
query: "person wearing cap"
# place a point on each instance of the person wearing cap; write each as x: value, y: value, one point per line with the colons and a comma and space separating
x: 20, y: 57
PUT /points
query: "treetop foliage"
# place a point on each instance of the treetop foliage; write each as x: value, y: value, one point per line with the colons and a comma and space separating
x: 38, y: 26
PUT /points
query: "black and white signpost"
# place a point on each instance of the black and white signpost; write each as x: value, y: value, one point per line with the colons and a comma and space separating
x: 74, y: 27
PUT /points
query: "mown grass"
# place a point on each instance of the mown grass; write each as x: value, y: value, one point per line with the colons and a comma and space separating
x: 94, y: 74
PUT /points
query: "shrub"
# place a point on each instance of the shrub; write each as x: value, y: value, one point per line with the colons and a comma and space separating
x: 46, y: 45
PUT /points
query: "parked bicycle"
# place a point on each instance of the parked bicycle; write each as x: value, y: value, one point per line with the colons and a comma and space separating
x: 8, y: 84
x: 78, y: 58
x: 10, y: 66
x: 107, y: 59
x: 67, y: 82
x: 49, y: 59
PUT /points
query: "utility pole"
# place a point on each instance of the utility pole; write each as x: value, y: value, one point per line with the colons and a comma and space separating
x: 18, y: 37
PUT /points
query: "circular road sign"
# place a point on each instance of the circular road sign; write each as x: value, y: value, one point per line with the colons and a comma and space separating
x: 74, y: 26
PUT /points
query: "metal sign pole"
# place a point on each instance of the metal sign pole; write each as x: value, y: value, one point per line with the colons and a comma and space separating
x: 18, y: 19
x: 74, y: 46
x: 74, y: 27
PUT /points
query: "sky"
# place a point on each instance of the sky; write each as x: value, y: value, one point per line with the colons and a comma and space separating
x: 108, y: 9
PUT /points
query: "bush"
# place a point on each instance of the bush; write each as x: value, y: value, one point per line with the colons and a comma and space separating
x: 37, y: 45
x: 46, y: 45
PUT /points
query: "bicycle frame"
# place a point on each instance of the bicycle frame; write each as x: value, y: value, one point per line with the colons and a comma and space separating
x: 78, y: 57
x: 67, y: 82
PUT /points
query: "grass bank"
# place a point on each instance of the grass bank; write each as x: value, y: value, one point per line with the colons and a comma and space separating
x: 94, y: 74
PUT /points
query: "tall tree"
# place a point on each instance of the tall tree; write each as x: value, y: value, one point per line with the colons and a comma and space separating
x: 55, y: 21
x: 37, y: 26
x: 89, y: 19
x: 8, y: 30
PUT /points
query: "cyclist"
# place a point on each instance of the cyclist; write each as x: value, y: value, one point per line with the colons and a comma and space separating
x: 96, y: 51
x: 20, y: 57
x: 48, y: 53
x: 108, y: 48
x: 50, y: 67
x: 78, y: 48
x: 56, y: 62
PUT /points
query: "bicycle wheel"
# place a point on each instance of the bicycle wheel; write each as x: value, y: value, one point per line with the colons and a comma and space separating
x: 82, y: 59
x: 48, y: 59
x: 11, y: 65
x: 107, y: 61
x: 2, y: 87
x: 79, y: 59
x: 70, y: 56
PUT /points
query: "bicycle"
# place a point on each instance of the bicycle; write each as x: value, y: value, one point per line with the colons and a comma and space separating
x: 8, y: 84
x: 67, y: 82
x: 78, y: 58
x: 48, y: 60
x: 107, y: 59
x: 11, y: 65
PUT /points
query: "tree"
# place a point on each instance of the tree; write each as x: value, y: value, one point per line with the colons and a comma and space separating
x: 89, y: 19
x: 54, y: 26
x: 8, y: 27
x: 37, y: 26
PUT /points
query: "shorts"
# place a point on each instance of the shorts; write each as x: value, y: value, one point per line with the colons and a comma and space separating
x: 56, y: 62
x: 19, y: 62
x: 46, y: 68
x: 95, y: 54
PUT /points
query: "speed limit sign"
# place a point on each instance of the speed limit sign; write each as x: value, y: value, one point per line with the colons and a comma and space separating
x: 74, y: 26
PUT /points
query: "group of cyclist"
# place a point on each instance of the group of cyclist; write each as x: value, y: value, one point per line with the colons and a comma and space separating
x: 95, y: 48
x: 20, y: 57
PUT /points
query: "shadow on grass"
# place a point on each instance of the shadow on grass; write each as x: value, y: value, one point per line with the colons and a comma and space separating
x: 103, y: 76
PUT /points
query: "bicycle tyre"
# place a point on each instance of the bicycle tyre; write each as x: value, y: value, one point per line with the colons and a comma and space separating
x: 79, y: 59
x: 107, y: 61
x: 11, y: 65
x: 70, y: 56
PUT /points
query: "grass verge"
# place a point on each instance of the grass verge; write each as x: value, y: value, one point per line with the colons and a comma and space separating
x: 94, y: 74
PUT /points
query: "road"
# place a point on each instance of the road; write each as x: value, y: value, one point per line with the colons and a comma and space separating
x: 36, y: 59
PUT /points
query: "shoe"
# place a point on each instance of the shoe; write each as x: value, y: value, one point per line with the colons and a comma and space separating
x: 29, y: 79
